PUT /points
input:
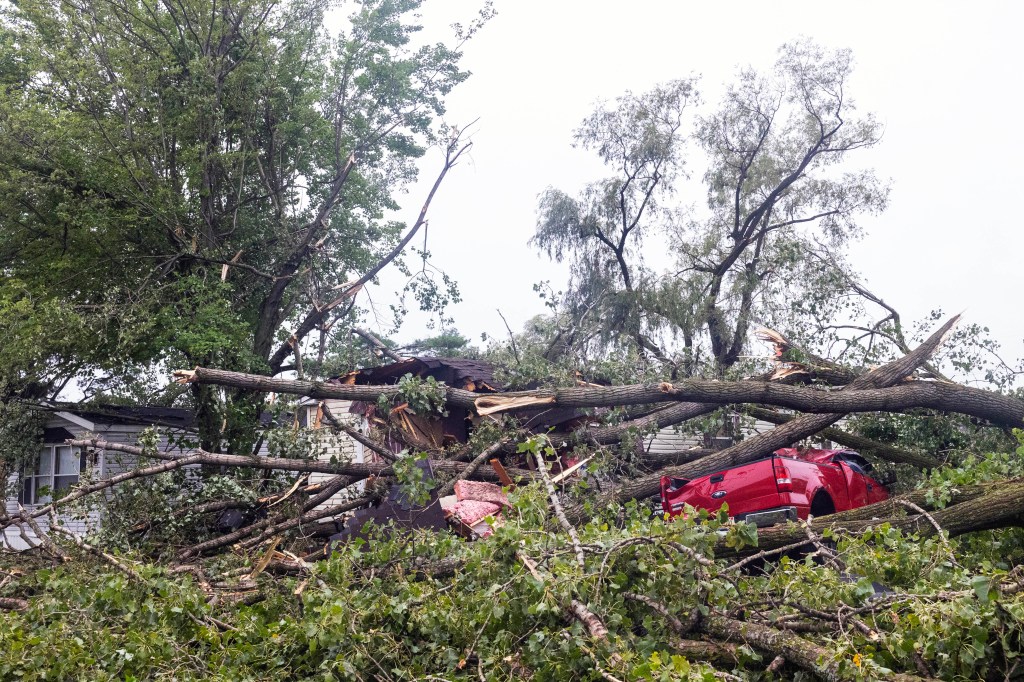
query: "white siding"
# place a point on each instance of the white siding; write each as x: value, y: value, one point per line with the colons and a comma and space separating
x: 104, y: 464
x: 101, y: 464
x: 12, y: 537
x: 669, y: 440
x: 339, y: 446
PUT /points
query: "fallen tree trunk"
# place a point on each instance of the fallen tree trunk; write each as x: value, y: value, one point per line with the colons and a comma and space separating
x: 895, y: 505
x: 850, y: 440
x: 795, y: 649
x: 972, y: 508
x: 699, y: 395
x: 862, y: 395
x: 13, y: 604
x: 873, y: 391
x: 765, y: 443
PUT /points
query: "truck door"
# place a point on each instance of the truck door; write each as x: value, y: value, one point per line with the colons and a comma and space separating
x: 746, y: 488
x: 863, y: 489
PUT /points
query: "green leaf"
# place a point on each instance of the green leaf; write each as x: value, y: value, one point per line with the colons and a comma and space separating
x: 982, y: 586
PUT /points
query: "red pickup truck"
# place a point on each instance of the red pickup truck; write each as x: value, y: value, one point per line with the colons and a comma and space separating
x: 788, y: 485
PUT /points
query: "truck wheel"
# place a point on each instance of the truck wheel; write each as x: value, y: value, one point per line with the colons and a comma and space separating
x: 822, y: 504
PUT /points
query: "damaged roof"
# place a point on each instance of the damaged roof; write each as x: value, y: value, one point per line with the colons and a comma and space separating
x: 472, y: 375
x: 130, y: 414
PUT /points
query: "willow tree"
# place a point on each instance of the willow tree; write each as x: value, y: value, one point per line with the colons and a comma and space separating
x: 780, y: 209
x: 196, y: 182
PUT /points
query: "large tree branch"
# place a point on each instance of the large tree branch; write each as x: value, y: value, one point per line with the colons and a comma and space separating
x: 357, y: 469
x: 850, y: 440
x: 699, y: 396
x: 795, y: 649
x: 454, y: 150
x: 765, y: 443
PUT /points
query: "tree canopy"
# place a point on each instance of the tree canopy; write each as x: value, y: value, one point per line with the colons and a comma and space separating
x: 782, y: 200
x: 189, y: 183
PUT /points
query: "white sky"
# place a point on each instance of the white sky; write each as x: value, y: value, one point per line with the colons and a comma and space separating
x: 943, y: 77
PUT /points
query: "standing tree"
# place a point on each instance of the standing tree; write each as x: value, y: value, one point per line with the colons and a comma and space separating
x: 203, y: 182
x: 776, y: 201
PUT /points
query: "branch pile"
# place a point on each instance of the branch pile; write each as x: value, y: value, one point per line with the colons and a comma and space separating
x: 586, y: 586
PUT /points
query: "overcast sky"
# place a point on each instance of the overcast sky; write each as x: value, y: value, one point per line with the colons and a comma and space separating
x: 943, y: 77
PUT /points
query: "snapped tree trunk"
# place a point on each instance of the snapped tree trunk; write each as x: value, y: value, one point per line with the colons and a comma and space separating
x: 972, y: 508
x: 765, y: 443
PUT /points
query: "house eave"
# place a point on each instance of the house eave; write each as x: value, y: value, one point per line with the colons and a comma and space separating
x: 80, y: 421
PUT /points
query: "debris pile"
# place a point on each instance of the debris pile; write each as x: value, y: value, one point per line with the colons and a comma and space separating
x: 473, y: 503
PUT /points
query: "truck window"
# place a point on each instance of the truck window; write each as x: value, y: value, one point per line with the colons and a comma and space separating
x: 855, y: 462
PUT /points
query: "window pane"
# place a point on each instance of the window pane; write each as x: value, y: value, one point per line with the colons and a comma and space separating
x: 28, y: 495
x: 45, y: 462
x: 67, y: 460
x: 62, y: 483
x: 42, y: 484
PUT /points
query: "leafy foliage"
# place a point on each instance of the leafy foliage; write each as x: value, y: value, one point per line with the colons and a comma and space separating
x: 778, y: 214
x: 423, y: 605
x: 423, y: 396
x: 174, y: 196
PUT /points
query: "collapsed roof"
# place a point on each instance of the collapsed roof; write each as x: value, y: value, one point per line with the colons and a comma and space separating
x: 470, y: 375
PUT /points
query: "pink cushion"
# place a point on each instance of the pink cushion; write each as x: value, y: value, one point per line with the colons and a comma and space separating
x: 478, y: 490
x: 471, y: 511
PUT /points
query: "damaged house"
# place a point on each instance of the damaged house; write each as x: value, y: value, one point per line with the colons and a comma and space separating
x: 60, y: 466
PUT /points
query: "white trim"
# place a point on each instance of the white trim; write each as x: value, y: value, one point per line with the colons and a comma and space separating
x: 50, y: 450
x: 84, y: 423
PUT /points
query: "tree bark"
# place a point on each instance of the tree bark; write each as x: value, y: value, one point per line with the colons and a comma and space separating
x: 850, y: 440
x: 765, y: 443
x: 858, y: 396
x: 696, y: 397
x: 795, y: 649
x: 873, y: 391
x: 13, y: 604
x: 972, y: 508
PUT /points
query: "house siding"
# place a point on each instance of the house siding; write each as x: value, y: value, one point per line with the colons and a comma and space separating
x: 669, y: 440
x: 339, y: 447
x: 101, y: 465
x: 104, y: 464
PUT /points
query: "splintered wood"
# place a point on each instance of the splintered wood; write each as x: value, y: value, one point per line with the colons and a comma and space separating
x: 486, y: 405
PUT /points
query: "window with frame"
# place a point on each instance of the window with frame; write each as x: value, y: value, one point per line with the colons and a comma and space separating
x: 55, y: 469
